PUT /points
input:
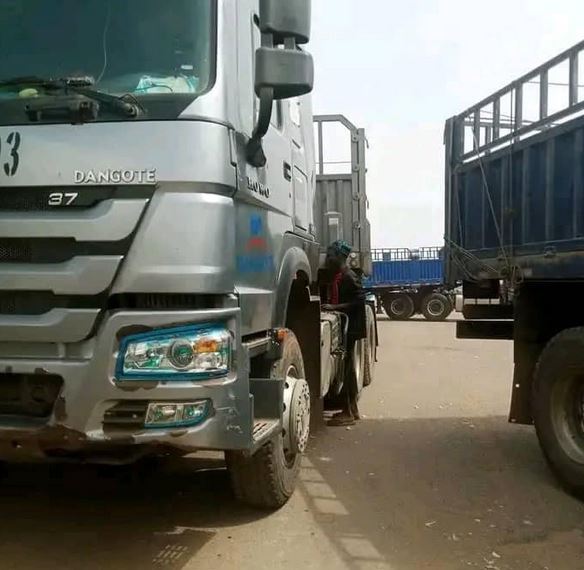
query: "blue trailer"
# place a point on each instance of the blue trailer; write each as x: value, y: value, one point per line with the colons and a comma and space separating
x: 410, y: 281
x: 515, y: 238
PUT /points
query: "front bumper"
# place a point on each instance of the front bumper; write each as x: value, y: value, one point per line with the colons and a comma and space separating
x: 90, y: 389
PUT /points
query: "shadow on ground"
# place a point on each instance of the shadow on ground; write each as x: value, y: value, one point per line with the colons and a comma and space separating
x: 393, y: 494
x: 440, y: 494
x: 72, y: 517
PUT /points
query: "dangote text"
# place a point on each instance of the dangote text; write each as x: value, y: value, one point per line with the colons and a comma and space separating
x: 145, y: 176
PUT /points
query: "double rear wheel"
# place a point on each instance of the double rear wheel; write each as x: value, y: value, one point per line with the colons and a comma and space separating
x: 399, y: 306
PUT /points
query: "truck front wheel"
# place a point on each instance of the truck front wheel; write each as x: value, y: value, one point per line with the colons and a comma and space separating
x: 399, y: 307
x: 558, y: 407
x: 268, y: 478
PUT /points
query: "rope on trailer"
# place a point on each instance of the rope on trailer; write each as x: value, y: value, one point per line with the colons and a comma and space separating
x: 513, y: 273
x: 487, y: 191
x: 464, y: 258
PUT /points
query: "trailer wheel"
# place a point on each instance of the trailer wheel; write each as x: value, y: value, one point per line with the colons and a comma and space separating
x: 399, y: 307
x: 370, y: 347
x: 436, y: 307
x: 268, y: 478
x: 558, y: 407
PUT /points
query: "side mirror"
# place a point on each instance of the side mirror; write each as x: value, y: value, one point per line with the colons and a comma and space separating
x: 286, y: 19
x: 287, y: 73
x: 283, y: 71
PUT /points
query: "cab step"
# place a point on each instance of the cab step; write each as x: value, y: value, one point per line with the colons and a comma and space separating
x: 263, y: 431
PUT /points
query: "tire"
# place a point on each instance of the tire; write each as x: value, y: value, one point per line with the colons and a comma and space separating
x: 399, y: 307
x: 267, y: 479
x: 436, y: 307
x: 370, y: 348
x: 338, y: 400
x: 558, y: 407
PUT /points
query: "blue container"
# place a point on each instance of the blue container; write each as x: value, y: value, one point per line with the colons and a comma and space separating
x: 406, y: 268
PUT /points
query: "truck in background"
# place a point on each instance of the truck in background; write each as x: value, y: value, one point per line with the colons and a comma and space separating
x: 158, y: 239
x: 515, y: 238
x: 411, y: 281
x: 340, y: 212
x: 341, y: 198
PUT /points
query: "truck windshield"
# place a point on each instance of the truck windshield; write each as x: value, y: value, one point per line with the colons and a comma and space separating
x: 146, y: 48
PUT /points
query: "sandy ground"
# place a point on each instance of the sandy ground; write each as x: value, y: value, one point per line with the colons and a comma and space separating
x: 433, y: 477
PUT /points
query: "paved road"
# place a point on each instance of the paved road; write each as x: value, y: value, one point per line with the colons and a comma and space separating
x: 433, y: 477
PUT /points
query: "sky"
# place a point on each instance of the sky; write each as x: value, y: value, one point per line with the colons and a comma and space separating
x: 399, y: 69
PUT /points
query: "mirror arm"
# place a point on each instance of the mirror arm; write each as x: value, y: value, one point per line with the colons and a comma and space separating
x: 254, y: 151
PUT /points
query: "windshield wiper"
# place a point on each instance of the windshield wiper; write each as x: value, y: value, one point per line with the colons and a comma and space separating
x: 80, y: 86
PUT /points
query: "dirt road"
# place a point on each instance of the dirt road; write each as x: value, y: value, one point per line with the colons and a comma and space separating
x: 433, y: 477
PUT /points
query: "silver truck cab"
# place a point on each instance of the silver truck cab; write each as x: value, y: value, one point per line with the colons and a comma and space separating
x: 157, y: 238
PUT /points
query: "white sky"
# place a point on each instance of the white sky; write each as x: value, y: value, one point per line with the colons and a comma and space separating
x: 401, y: 68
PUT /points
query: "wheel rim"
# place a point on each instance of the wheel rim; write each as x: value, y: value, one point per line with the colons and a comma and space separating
x: 296, y: 429
x: 358, y: 364
x: 435, y: 307
x: 568, y: 416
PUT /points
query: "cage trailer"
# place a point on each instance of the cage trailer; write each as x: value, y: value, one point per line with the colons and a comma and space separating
x: 515, y: 238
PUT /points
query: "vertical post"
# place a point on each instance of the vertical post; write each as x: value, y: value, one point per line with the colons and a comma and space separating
x: 504, y: 181
x: 355, y: 178
x: 450, y: 150
x: 362, y: 197
x: 485, y: 213
x: 577, y: 229
x: 476, y: 129
x: 320, y: 149
x: 543, y: 94
x: 574, y: 78
x: 518, y: 106
x: 550, y: 151
x: 525, y: 196
x: 496, y: 118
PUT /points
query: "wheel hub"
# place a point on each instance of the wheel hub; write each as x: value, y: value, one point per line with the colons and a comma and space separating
x: 435, y: 308
x: 397, y: 306
x: 296, y: 415
x: 568, y: 416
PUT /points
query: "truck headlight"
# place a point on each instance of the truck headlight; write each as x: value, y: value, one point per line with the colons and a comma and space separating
x: 186, y: 353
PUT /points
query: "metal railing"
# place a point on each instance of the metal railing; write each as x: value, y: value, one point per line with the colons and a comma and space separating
x: 356, y: 138
x: 405, y: 254
x: 490, y: 126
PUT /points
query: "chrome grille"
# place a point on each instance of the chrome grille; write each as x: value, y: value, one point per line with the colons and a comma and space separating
x: 57, y: 264
x: 15, y: 251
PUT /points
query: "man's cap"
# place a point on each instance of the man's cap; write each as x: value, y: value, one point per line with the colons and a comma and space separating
x: 341, y: 247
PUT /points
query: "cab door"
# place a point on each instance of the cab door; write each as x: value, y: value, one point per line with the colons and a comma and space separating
x: 300, y: 125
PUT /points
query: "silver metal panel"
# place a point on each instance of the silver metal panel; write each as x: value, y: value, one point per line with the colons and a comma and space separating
x: 110, y: 220
x: 80, y: 276
x: 58, y: 325
x: 184, y: 244
x: 178, y: 151
x: 257, y: 306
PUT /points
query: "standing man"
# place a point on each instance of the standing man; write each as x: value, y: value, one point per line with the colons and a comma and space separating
x: 341, y: 290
